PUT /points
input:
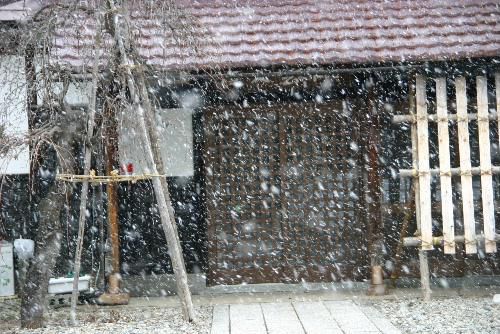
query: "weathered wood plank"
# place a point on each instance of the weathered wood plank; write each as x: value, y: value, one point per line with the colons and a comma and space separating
x: 465, y: 165
x: 220, y: 320
x: 315, y: 318
x: 423, y: 165
x: 350, y: 318
x: 485, y: 162
x: 424, y: 265
x: 444, y: 165
x: 454, y: 171
x: 497, y: 85
x: 281, y: 318
x: 247, y: 319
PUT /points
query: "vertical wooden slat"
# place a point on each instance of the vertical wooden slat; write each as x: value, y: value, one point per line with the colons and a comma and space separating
x: 485, y: 161
x: 465, y: 166
x: 497, y: 85
x: 414, y: 155
x: 209, y: 157
x: 444, y: 165
x: 283, y: 162
x: 423, y: 165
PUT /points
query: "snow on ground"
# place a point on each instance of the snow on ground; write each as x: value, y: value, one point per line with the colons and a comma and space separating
x: 450, y: 314
x: 442, y: 314
x: 116, y: 320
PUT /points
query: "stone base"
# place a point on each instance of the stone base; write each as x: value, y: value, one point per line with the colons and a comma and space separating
x: 377, y: 290
x: 113, y: 299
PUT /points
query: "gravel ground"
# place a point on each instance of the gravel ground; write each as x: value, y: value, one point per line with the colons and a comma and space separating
x: 93, y: 319
x: 442, y: 315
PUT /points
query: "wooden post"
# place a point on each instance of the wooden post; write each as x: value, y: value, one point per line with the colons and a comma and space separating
x: 497, y: 94
x: 375, y: 229
x: 113, y: 296
x: 485, y: 161
x: 112, y: 193
x: 465, y: 166
x: 423, y: 164
x: 445, y: 167
x: 423, y: 260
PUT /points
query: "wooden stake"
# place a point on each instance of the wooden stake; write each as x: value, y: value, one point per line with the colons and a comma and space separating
x: 485, y: 161
x: 444, y: 164
x: 422, y: 256
x: 497, y: 94
x: 166, y: 213
x: 465, y: 165
x: 424, y: 274
x: 86, y: 168
x: 423, y: 164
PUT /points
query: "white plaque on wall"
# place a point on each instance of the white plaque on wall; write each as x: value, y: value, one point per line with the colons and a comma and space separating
x: 175, y: 127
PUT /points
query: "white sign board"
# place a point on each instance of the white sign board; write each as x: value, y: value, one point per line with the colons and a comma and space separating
x: 13, y: 115
x: 176, y: 142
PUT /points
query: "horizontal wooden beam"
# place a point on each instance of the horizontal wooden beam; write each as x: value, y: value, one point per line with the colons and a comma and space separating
x: 439, y: 241
x: 396, y: 119
x: 453, y: 171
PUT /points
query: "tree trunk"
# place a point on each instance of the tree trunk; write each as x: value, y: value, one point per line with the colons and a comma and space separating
x: 51, y: 195
x: 47, y: 247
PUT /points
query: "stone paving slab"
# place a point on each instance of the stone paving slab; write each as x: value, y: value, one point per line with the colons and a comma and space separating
x: 350, y: 318
x: 316, y: 319
x: 281, y: 318
x: 336, y: 317
x: 246, y: 318
x: 220, y: 320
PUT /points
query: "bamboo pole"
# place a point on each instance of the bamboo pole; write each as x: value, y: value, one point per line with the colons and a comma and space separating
x: 487, y: 195
x: 465, y: 164
x: 456, y: 171
x: 165, y: 214
x: 396, y: 119
x: 423, y: 260
x: 440, y: 241
x: 444, y: 162
x: 155, y: 140
x: 423, y: 162
x: 85, y: 184
x: 497, y: 94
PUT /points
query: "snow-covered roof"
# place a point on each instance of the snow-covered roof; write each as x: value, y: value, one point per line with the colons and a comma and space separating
x: 242, y: 33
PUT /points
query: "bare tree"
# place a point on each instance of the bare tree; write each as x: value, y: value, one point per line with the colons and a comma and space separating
x: 56, y: 128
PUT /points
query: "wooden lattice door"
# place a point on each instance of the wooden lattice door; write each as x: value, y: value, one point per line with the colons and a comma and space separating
x: 242, y: 174
x: 322, y: 181
x: 284, y: 190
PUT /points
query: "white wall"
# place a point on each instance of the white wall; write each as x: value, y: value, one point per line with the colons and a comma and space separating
x: 13, y: 113
x: 176, y: 135
x: 78, y: 93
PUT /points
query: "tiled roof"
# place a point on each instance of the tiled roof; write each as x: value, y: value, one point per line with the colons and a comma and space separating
x: 228, y: 34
